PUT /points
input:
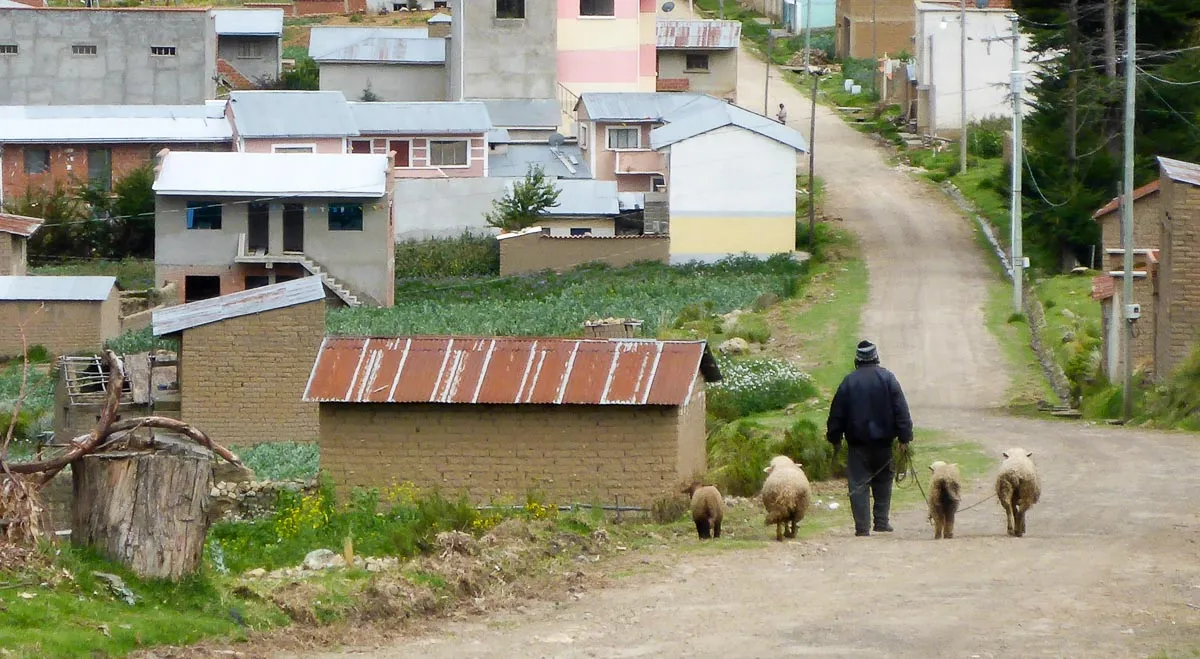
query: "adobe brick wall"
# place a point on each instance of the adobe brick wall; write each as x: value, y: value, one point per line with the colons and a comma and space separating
x: 241, y: 380
x: 314, y: 7
x: 692, y: 453
x: 1147, y: 224
x: 1145, y: 334
x: 535, y: 251
x: 892, y: 36
x: 68, y: 163
x: 1178, y: 319
x: 13, y: 258
x: 567, y: 453
x: 62, y: 327
x: 233, y: 277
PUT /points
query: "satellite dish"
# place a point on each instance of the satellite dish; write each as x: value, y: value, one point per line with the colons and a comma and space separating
x: 668, y: 7
x: 556, y: 140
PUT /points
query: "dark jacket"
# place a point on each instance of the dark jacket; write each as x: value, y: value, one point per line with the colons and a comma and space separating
x: 869, y: 409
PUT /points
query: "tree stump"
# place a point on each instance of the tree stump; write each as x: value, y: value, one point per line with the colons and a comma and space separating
x: 145, y: 509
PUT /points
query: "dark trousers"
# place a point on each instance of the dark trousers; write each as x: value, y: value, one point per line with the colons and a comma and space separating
x: 870, y: 472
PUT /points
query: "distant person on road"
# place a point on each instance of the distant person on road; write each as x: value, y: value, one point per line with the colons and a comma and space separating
x: 782, y: 116
x: 869, y: 410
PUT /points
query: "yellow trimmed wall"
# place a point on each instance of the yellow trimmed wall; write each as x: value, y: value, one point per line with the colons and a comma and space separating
x: 711, y: 235
x: 601, y: 34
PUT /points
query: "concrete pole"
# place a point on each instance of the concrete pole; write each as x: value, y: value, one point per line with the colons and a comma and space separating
x: 962, y: 147
x: 1018, y: 257
x: 767, y: 82
x: 807, y: 36
x: 1127, y: 206
x: 812, y: 181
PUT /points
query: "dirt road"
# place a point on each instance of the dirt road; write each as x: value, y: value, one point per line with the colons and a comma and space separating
x: 1108, y: 569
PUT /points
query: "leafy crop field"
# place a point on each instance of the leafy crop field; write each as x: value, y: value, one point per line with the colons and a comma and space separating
x: 547, y: 304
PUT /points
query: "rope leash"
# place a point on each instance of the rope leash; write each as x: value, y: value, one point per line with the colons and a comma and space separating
x: 908, y: 468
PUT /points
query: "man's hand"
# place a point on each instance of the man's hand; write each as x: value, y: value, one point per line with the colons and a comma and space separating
x: 904, y: 448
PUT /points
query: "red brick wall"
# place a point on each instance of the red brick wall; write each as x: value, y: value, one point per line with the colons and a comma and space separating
x: 312, y: 7
x: 69, y: 163
x: 233, y: 276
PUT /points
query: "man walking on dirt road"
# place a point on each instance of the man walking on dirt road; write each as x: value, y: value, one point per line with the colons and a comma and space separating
x: 869, y: 410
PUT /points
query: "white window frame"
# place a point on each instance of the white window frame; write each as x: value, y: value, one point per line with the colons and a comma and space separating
x: 252, y: 47
x: 429, y: 154
x: 293, y: 148
x: 10, y: 49
x: 85, y: 49
x: 608, y: 138
x: 583, y: 136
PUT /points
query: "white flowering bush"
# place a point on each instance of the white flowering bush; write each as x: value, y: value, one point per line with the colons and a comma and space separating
x: 750, y: 386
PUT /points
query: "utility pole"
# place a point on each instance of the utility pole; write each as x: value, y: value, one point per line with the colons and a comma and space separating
x: 721, y: 8
x: 962, y: 147
x: 874, y: 35
x: 807, y: 37
x: 1127, y: 206
x: 767, y: 82
x: 1018, y: 86
x: 812, y: 131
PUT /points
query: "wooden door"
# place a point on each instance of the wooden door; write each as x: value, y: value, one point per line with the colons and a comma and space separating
x: 293, y: 227
x: 403, y: 153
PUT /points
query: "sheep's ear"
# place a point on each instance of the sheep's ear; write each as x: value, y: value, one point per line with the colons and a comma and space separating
x: 1005, y: 454
x: 930, y: 467
x: 1029, y: 454
x: 767, y: 469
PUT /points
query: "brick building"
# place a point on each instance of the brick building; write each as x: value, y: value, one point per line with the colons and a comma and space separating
x: 575, y: 420
x: 1107, y: 287
x: 15, y: 231
x: 63, y: 314
x: 244, y: 359
x: 41, y: 146
x: 534, y: 249
x: 870, y: 28
x: 1177, y: 312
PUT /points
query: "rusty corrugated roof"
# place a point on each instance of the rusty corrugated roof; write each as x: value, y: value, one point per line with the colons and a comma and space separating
x: 1115, y: 204
x: 508, y: 370
x: 1103, y: 287
x: 19, y: 224
x: 698, y: 34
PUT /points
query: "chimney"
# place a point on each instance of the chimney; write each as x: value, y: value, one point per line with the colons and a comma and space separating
x: 439, y: 26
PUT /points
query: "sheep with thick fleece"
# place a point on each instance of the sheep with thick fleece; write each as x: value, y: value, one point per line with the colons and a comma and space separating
x: 944, y: 497
x: 786, y: 495
x: 708, y: 509
x: 1017, y: 487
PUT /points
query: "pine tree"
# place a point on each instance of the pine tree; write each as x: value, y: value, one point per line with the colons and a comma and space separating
x: 525, y: 202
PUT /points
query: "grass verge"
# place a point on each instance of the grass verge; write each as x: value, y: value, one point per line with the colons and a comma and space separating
x: 131, y: 274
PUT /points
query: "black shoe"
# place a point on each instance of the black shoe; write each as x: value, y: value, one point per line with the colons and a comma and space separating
x: 887, y: 528
x: 862, y: 534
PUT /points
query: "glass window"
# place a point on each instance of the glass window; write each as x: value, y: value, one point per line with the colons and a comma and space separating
x: 510, y: 8
x: 448, y: 153
x: 697, y: 62
x: 597, y: 8
x: 204, y: 215
x: 249, y: 50
x: 99, y: 165
x: 624, y: 138
x: 581, y: 232
x: 346, y: 216
x: 37, y: 161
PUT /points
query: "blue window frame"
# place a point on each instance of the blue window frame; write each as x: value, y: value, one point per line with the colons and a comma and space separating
x: 346, y: 216
x: 204, y: 215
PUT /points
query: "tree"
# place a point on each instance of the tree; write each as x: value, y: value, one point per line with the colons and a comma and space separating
x: 369, y: 96
x: 525, y: 202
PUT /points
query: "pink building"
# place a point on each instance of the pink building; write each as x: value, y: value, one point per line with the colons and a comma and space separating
x: 614, y: 137
x: 427, y: 140
x: 290, y: 121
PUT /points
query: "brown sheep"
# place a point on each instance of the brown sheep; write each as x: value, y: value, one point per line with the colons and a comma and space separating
x: 1017, y: 487
x: 708, y: 509
x: 944, y: 498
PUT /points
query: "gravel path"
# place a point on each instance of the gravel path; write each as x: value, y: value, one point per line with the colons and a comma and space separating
x: 1110, y: 564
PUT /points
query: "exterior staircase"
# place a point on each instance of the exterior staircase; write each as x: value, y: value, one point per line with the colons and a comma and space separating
x: 330, y: 282
x: 246, y: 255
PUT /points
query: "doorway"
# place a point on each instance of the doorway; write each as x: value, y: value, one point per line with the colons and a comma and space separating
x: 293, y: 227
x: 259, y: 230
x: 403, y: 149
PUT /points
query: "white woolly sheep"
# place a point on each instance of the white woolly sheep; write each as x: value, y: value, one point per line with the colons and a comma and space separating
x: 785, y: 495
x: 1017, y: 487
x: 944, y: 497
x: 708, y: 509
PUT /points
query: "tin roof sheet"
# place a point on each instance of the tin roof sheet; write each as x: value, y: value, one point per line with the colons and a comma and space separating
x: 1178, y: 170
x: 61, y: 289
x: 375, y: 44
x: 292, y: 114
x: 698, y: 34
x: 113, y: 123
x: 248, y: 22
x: 235, y: 305
x: 585, y: 197
x: 637, y: 106
x: 506, y: 370
x: 524, y: 112
x: 517, y: 158
x: 427, y: 118
x: 19, y: 224
x: 1115, y: 204
x: 697, y: 119
x: 236, y: 174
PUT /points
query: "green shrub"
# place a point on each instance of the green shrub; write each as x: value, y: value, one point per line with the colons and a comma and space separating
x: 750, y: 386
x: 281, y: 460
x: 1176, y: 403
x: 737, y: 454
x: 143, y: 340
x: 752, y: 327
x: 861, y: 71
x: 37, y: 407
x: 468, y: 255
x: 38, y: 354
x: 805, y: 443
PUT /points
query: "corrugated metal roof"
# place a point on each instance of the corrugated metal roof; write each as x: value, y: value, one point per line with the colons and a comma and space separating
x: 235, y: 174
x: 427, y: 118
x: 12, y: 4
x: 245, y: 303
x: 1178, y: 170
x: 586, y: 197
x: 498, y: 136
x: 248, y: 22
x: 1103, y: 287
x: 1115, y: 203
x: 292, y: 114
x: 440, y: 18
x: 694, y: 120
x: 506, y: 370
x: 517, y: 158
x: 524, y: 113
x: 698, y: 34
x: 376, y: 44
x: 636, y: 106
x: 19, y: 224
x: 61, y: 289
x: 112, y: 123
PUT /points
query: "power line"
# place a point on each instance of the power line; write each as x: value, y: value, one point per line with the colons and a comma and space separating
x: 1165, y: 81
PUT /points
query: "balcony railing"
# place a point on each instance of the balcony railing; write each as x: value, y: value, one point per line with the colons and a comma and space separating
x: 640, y: 162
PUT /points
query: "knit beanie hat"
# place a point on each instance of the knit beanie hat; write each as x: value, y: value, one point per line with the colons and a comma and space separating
x: 867, y: 353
